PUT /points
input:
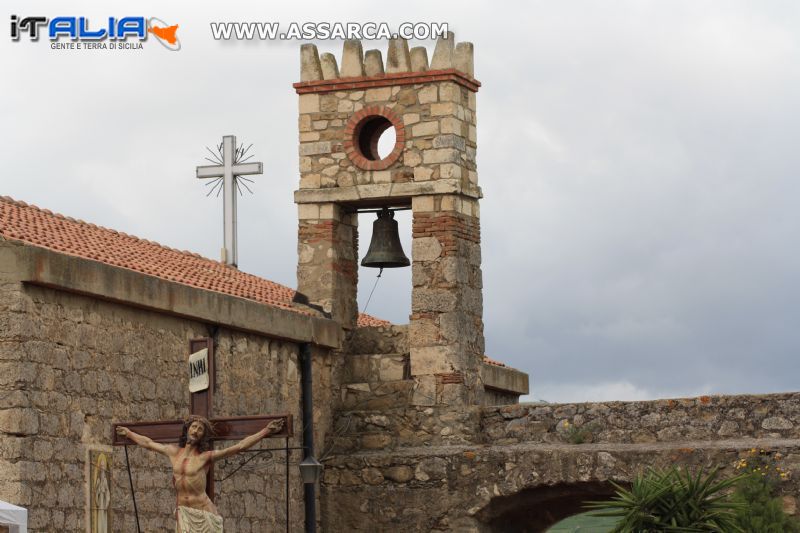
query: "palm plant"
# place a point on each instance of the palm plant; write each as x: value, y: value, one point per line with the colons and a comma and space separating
x: 673, y: 500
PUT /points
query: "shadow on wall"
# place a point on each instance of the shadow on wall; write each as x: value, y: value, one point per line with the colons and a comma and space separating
x: 537, y: 509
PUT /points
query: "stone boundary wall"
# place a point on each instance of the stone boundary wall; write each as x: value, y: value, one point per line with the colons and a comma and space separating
x: 707, y: 418
x: 480, y: 469
x: 685, y: 419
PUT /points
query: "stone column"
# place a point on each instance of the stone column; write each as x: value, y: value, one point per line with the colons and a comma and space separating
x: 327, y: 250
x: 446, y: 328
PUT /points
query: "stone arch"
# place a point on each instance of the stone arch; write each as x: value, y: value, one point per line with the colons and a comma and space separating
x: 534, y: 510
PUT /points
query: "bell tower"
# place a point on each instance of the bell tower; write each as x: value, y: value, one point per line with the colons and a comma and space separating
x: 343, y: 110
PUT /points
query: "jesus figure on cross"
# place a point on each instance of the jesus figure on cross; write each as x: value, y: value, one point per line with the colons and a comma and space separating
x: 191, y: 460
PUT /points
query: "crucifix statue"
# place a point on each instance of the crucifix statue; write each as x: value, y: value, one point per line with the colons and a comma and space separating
x: 231, y: 167
x: 193, y: 458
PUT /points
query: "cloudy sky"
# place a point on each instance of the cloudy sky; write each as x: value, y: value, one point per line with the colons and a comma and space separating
x: 638, y: 161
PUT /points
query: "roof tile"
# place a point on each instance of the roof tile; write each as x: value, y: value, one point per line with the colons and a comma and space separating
x: 41, y: 227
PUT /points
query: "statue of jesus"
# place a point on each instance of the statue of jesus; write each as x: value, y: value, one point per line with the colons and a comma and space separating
x: 195, y: 512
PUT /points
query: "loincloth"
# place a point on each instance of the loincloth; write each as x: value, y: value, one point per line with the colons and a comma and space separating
x: 197, y: 521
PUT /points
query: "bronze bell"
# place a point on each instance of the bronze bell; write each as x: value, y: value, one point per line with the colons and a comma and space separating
x: 385, y: 250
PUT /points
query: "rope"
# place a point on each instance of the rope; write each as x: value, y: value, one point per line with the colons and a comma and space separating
x: 372, y: 291
x: 133, y: 494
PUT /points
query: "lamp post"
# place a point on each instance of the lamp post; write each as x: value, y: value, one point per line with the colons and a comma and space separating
x: 310, y: 468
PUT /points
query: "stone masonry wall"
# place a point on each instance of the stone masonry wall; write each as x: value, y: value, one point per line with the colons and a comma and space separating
x: 484, y: 464
x: 706, y: 418
x: 378, y: 340
x: 71, y: 365
x: 440, y: 140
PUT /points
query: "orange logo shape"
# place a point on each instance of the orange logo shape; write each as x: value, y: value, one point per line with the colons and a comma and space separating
x: 166, y: 34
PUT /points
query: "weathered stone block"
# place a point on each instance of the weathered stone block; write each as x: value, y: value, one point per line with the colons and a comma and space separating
x: 437, y: 300
x: 449, y: 141
x: 428, y: 94
x: 423, y: 332
x: 426, y: 249
x: 419, y: 59
x: 425, y: 128
x: 375, y: 441
x: 422, y: 204
x: 452, y: 125
x: 399, y: 474
x: 776, y: 422
x: 450, y: 202
x: 424, y: 392
x: 426, y: 360
x: 372, y: 476
x: 345, y: 106
x: 19, y: 421
x: 433, y: 468
x: 310, y: 181
x: 308, y: 211
x: 449, y: 92
x: 423, y: 173
x: 391, y: 368
x: 352, y: 59
x: 309, y: 103
x: 463, y: 58
x: 309, y: 63
x: 410, y: 118
x: 447, y: 108
x: 450, y: 170
x: 382, y: 176
x: 412, y: 158
x: 315, y: 148
x: 442, y: 155
x: 380, y: 94
x: 373, y: 63
x: 398, y: 58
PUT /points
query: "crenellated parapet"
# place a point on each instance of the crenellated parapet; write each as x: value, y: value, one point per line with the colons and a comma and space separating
x: 451, y: 61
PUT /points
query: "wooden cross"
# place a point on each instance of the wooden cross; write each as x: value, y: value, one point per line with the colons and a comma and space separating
x: 229, y: 170
x: 227, y: 428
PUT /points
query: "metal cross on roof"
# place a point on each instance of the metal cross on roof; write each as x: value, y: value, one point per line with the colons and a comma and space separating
x: 228, y: 174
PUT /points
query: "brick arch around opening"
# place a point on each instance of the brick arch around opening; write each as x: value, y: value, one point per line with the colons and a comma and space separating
x: 362, y: 133
x: 534, y: 510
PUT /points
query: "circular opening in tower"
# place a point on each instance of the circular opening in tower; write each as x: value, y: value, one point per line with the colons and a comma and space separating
x: 369, y: 137
x: 374, y: 138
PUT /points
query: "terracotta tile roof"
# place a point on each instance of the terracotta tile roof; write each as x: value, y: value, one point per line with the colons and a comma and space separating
x: 41, y: 227
x: 489, y: 361
x: 365, y: 320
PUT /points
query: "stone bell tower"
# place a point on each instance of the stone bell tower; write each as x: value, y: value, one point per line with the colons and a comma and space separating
x: 431, y: 169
